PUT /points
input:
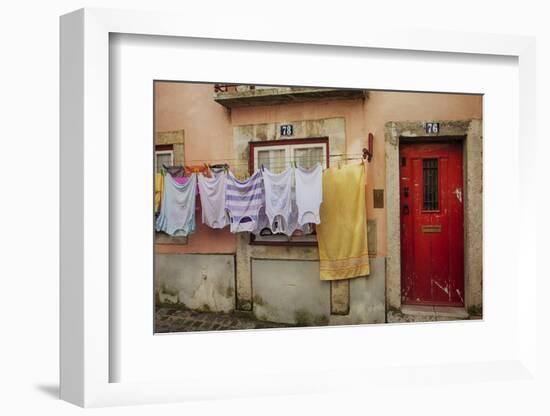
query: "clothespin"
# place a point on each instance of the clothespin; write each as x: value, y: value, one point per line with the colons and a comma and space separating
x: 338, y: 163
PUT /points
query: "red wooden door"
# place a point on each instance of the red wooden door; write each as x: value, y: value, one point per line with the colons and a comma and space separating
x: 432, y: 229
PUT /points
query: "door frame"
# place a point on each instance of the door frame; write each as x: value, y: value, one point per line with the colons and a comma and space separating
x: 470, y: 132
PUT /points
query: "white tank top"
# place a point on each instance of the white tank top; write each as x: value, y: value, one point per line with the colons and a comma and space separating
x: 212, y: 195
x: 292, y: 225
x: 309, y: 193
x: 293, y: 218
x: 278, y: 188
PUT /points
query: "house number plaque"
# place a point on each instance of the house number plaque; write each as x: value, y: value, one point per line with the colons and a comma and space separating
x: 287, y: 130
x: 432, y: 128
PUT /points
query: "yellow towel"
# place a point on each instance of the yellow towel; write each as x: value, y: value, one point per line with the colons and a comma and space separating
x: 342, y: 234
x: 159, y: 183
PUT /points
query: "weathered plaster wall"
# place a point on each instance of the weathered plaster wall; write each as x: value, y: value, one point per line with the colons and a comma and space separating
x: 247, y: 252
x: 209, y: 129
x: 198, y: 281
x: 384, y: 106
x: 334, y: 128
x: 363, y: 117
x: 190, y: 107
x: 367, y: 301
x: 473, y: 220
x: 209, y: 132
x: 351, y: 112
x: 291, y: 292
x: 177, y: 139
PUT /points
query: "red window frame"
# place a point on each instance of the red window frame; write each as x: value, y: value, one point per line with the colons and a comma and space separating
x: 161, y: 147
x: 284, y: 142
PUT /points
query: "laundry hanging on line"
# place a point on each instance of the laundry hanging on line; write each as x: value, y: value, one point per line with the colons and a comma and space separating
x: 159, y: 184
x: 247, y: 206
x: 177, y: 208
x: 333, y: 199
x: 278, y: 189
x: 212, y: 196
x: 243, y: 201
x: 283, y: 206
x: 309, y: 193
x: 342, y: 234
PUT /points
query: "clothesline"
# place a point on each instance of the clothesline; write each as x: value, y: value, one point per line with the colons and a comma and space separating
x: 288, y: 203
x: 353, y: 156
x: 283, y: 163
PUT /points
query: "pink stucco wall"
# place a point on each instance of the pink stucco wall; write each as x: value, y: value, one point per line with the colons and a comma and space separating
x: 207, y: 130
x: 208, y: 134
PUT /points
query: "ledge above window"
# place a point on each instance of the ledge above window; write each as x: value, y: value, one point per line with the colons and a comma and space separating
x: 231, y: 96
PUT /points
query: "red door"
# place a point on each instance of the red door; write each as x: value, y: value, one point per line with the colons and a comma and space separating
x: 432, y: 230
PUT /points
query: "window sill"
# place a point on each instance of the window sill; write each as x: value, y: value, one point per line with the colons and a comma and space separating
x: 161, y: 238
x: 283, y: 243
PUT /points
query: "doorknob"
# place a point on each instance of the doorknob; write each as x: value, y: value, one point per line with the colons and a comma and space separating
x: 405, y: 209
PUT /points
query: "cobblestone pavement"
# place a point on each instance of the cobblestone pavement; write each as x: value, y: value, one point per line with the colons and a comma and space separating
x: 169, y: 319
x: 172, y: 319
x: 394, y: 316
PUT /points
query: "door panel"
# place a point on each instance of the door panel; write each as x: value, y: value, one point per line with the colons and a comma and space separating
x: 432, y: 237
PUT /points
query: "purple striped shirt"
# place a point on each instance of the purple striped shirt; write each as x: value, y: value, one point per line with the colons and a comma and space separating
x: 243, y: 200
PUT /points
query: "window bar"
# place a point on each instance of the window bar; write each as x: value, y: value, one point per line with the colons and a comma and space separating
x: 430, y: 174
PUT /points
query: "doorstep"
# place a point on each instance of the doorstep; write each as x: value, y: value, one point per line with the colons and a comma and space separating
x: 451, y: 312
x: 422, y: 313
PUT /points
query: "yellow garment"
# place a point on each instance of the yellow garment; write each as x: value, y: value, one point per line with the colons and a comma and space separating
x: 342, y: 234
x: 159, y: 183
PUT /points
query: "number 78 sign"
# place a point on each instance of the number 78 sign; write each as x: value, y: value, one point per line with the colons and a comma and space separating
x: 287, y: 130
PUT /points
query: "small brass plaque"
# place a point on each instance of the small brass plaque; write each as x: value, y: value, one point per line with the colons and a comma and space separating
x: 378, y: 198
x: 431, y: 228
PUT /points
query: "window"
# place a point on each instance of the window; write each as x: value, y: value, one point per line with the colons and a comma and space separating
x: 277, y: 156
x: 431, y: 200
x: 165, y: 157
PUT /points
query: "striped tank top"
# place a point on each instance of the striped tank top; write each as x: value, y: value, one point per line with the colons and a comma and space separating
x: 243, y: 200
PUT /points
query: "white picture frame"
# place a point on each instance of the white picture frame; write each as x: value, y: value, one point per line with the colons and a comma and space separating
x: 86, y: 305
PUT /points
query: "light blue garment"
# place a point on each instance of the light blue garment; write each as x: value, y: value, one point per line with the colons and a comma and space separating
x: 177, y: 209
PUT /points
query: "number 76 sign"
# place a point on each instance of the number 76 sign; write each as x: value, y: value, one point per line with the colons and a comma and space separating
x: 432, y: 128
